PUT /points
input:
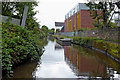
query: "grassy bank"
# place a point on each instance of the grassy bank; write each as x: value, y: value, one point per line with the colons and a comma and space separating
x: 19, y: 45
x: 60, y: 36
x: 112, y: 48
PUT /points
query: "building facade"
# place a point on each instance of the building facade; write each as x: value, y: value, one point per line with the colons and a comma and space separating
x: 78, y: 17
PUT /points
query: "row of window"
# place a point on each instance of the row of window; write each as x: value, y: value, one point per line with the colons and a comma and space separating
x: 73, y: 11
x: 76, y: 9
x: 70, y: 23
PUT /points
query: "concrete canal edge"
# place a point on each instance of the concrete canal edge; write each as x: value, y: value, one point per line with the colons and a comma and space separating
x: 64, y: 41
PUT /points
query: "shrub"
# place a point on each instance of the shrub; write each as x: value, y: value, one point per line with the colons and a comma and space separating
x: 18, y: 45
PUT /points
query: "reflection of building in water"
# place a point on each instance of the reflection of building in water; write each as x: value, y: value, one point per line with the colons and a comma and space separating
x: 83, y: 65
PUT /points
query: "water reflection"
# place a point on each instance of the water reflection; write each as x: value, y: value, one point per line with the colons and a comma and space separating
x: 84, y: 63
x: 69, y: 62
x: 75, y: 62
x: 53, y: 64
x: 51, y: 38
x: 58, y: 46
x: 25, y: 70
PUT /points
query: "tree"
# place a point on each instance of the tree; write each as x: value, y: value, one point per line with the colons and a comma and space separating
x: 51, y: 31
x: 106, y: 8
x: 15, y: 9
x: 45, y: 29
x: 57, y: 30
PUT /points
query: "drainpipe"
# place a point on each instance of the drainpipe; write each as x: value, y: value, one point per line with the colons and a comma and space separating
x: 119, y: 24
x: 119, y: 18
x: 118, y: 5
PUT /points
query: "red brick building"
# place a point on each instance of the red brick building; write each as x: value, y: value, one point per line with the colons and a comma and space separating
x: 78, y: 17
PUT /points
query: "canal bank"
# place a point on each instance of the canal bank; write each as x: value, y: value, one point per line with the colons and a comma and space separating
x: 72, y: 61
x: 110, y: 49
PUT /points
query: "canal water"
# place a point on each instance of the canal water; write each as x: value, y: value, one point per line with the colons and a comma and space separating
x: 69, y: 62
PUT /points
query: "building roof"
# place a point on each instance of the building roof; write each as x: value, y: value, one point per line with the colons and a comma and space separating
x: 59, y: 24
x: 78, y: 7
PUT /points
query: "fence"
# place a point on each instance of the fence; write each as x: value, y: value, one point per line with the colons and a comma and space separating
x: 107, y: 34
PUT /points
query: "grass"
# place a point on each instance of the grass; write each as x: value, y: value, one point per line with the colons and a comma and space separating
x: 113, y: 49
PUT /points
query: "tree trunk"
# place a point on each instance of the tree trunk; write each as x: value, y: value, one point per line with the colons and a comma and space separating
x: 105, y: 16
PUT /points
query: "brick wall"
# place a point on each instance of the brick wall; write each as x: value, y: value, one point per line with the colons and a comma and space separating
x: 81, y: 19
x: 86, y: 20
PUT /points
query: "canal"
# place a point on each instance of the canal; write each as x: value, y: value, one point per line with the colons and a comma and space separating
x: 69, y: 62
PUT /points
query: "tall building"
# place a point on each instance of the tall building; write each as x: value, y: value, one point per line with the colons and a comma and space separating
x: 78, y: 17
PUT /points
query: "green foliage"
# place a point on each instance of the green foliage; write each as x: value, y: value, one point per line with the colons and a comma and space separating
x: 85, y: 41
x: 81, y: 29
x: 19, y: 44
x: 106, y: 7
x: 44, y: 29
x: 100, y: 25
x: 15, y: 9
x: 113, y: 49
x: 57, y: 30
x: 84, y: 29
x: 61, y: 37
x: 52, y: 31
x: 113, y: 25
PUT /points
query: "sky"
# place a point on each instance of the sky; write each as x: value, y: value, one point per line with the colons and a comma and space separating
x: 51, y: 11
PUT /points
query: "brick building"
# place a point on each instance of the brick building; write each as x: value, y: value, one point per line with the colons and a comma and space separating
x: 78, y: 17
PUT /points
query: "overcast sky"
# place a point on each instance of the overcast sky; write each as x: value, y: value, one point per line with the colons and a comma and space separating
x: 51, y: 11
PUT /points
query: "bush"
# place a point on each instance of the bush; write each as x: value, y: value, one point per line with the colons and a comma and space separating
x: 18, y: 45
x: 84, y: 40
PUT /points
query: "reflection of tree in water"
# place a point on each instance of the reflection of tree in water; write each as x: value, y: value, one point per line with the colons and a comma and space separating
x: 51, y: 38
x: 86, y: 62
x: 25, y: 70
x: 42, y: 42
